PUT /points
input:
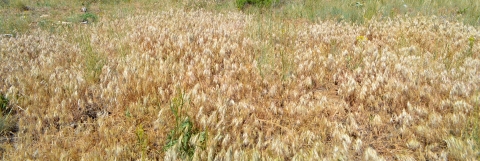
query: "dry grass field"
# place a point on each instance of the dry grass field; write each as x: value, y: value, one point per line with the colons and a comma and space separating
x: 195, y: 82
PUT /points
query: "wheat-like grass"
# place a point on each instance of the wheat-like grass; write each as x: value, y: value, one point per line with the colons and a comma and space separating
x: 262, y: 89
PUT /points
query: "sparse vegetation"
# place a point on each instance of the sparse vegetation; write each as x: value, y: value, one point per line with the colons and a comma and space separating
x: 258, y: 3
x: 203, y: 80
x: 179, y: 138
x: 7, y: 120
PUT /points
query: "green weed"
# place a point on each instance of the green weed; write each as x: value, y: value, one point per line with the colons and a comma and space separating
x: 94, y: 61
x: 142, y: 140
x: 4, y: 105
x: 287, y: 64
x: 14, y: 25
x: 471, y: 41
x: 88, y: 17
x: 474, y: 122
x: 7, y: 121
x: 179, y: 137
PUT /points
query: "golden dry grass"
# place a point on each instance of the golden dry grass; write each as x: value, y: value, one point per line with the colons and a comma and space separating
x: 261, y: 88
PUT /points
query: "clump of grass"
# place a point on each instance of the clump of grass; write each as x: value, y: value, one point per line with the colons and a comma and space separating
x: 179, y: 137
x: 7, y: 119
x: 94, y: 61
x: 474, y: 125
x: 15, y: 25
x: 471, y: 42
x: 89, y: 17
x: 142, y: 141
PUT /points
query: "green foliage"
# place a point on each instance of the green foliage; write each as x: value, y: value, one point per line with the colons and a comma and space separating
x: 474, y: 124
x: 94, y: 61
x: 471, y: 41
x: 476, y: 132
x: 287, y: 64
x: 4, y: 3
x: 179, y: 137
x: 14, y: 25
x: 142, y: 140
x: 241, y: 4
x: 4, y: 105
x: 88, y: 17
x: 7, y: 122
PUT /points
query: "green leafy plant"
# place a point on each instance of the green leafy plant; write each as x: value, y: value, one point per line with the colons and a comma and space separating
x: 462, y: 11
x: 142, y: 140
x: 88, y: 17
x: 184, y: 130
x: 7, y: 122
x: 4, y: 105
x: 286, y: 66
x: 94, y: 61
x: 471, y: 41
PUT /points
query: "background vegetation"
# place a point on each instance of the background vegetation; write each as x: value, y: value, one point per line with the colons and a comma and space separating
x: 240, y: 80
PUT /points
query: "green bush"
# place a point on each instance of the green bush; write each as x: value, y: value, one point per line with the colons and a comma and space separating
x: 241, y: 4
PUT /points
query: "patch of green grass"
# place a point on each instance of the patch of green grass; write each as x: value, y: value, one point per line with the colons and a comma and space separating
x: 287, y: 65
x: 21, y: 16
x: 15, y: 24
x: 360, y: 11
x: 179, y: 137
x: 7, y: 120
x: 474, y: 121
x: 94, y: 61
x: 142, y: 140
x: 84, y: 17
x: 357, y: 11
x: 471, y: 42
x: 4, y: 102
x: 89, y: 17
x: 47, y: 25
